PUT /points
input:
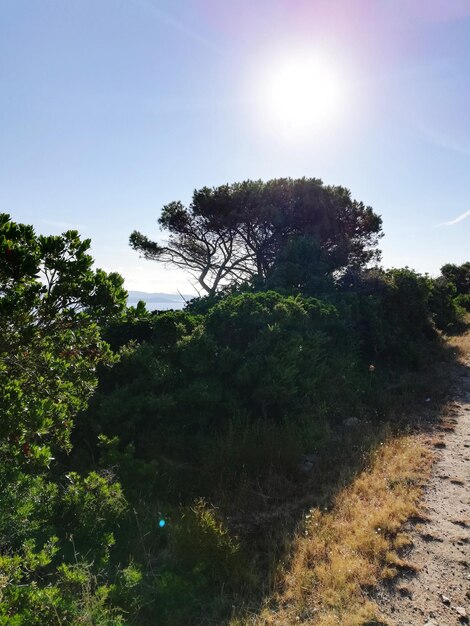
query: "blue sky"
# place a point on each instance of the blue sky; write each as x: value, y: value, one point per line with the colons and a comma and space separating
x: 112, y: 108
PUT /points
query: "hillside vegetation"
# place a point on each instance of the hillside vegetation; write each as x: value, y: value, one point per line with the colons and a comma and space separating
x: 155, y: 468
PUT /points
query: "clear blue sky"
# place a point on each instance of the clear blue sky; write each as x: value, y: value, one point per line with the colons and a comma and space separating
x: 109, y: 109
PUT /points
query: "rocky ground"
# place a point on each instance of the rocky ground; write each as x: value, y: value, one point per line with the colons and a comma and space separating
x: 438, y: 593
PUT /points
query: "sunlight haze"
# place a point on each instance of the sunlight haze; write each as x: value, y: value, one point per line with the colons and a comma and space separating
x: 302, y: 95
x: 111, y: 110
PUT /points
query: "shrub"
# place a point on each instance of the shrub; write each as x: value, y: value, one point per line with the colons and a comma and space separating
x: 446, y: 312
x: 388, y: 315
x: 277, y: 352
x: 463, y: 301
x: 201, y: 544
x: 91, y: 507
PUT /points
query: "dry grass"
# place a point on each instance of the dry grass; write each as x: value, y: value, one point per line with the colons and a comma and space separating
x: 461, y: 342
x: 339, y: 554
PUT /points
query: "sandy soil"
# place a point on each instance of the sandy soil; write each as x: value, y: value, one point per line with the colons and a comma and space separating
x: 439, y: 593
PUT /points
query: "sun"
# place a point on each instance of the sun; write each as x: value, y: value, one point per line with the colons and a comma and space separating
x: 301, y: 93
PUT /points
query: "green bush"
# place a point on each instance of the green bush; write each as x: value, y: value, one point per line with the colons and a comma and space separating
x: 201, y: 544
x: 34, y: 593
x: 277, y: 352
x: 214, y: 404
x: 463, y: 301
x: 446, y: 312
x: 388, y: 314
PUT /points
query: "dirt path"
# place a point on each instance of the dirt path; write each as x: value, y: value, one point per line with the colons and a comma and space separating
x: 439, y: 593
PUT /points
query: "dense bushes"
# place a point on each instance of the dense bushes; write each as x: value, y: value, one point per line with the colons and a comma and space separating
x: 232, y: 392
x: 450, y: 297
x: 260, y: 357
x: 195, y: 412
x: 252, y: 357
x: 388, y: 313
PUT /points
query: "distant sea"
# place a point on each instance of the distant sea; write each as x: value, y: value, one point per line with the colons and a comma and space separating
x: 158, y: 301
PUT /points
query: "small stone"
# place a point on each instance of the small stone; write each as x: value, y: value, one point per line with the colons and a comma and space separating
x: 461, y: 611
x: 445, y: 599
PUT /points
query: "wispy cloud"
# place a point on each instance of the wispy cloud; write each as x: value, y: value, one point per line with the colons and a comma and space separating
x: 178, y: 25
x: 63, y: 225
x: 458, y: 219
x: 445, y: 141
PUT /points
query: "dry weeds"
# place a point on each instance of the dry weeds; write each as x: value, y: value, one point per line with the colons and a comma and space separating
x: 339, y: 554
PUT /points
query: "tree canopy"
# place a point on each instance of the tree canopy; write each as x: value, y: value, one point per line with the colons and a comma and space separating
x: 459, y: 275
x: 234, y: 233
x: 50, y: 302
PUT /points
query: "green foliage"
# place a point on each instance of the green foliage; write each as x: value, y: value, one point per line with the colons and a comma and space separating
x: 196, y: 575
x: 213, y: 405
x: 447, y: 314
x: 450, y: 297
x: 388, y: 315
x: 138, y: 476
x: 91, y: 506
x: 459, y: 276
x: 29, y: 503
x: 168, y: 392
x: 237, y: 233
x: 51, y: 305
x: 75, y: 597
x: 301, y: 267
x: 202, y: 545
x: 133, y: 324
x: 271, y: 349
x: 463, y: 301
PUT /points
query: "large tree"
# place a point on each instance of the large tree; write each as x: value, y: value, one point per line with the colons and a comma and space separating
x: 235, y: 232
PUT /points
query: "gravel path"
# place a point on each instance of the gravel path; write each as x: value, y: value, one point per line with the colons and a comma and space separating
x: 439, y: 593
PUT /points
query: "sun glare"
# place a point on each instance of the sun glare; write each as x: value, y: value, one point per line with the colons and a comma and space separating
x: 301, y: 94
